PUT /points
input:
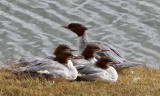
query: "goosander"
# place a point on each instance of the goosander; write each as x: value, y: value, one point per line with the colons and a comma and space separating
x: 62, y: 48
x: 88, y: 54
x: 100, y: 71
x: 62, y: 67
x: 113, y: 54
x: 32, y: 60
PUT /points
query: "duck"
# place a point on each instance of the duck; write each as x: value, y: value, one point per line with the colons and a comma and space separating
x: 24, y: 61
x: 101, y: 70
x: 60, y: 67
x: 88, y: 55
x: 113, y: 54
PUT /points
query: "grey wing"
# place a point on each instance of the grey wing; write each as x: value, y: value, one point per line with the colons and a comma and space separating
x: 42, y: 64
x: 78, y: 64
x: 89, y: 70
x: 53, y: 67
x: 25, y: 61
x: 112, y: 54
x: 114, y: 50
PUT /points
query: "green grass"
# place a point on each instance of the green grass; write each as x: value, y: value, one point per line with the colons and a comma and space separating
x: 147, y: 85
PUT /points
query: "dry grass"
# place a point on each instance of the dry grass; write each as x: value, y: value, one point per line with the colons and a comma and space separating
x: 147, y: 85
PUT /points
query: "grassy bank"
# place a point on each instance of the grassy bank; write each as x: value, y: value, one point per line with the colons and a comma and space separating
x: 133, y: 82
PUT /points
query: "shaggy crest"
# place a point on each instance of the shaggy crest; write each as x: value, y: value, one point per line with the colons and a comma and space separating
x: 90, y: 50
x: 77, y: 28
x: 103, y: 62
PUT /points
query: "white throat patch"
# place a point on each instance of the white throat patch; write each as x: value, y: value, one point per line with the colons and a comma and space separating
x: 93, y: 60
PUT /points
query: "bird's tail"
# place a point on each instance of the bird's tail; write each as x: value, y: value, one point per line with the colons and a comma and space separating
x: 22, y: 62
x: 18, y: 70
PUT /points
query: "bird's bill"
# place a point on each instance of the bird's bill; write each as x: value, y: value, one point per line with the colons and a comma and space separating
x: 115, y: 63
x: 104, y: 50
x: 73, y: 50
x: 65, y: 27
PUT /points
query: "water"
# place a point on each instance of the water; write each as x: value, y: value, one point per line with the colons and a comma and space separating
x: 32, y: 27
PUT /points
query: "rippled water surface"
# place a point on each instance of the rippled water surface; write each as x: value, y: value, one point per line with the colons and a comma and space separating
x: 32, y: 27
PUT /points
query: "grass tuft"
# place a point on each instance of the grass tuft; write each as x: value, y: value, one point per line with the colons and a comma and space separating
x: 133, y: 82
